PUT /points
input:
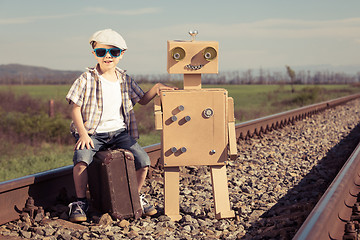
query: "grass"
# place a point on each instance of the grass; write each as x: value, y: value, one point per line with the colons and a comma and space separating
x: 251, y: 95
x: 254, y: 101
x: 251, y: 101
x: 23, y: 160
x: 44, y: 92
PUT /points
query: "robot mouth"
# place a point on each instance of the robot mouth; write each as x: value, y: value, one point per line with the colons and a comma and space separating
x: 192, y: 67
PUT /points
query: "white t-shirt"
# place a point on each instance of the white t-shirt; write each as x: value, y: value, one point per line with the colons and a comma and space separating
x: 112, y: 118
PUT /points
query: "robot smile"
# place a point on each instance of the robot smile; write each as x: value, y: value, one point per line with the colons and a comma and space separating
x: 192, y: 67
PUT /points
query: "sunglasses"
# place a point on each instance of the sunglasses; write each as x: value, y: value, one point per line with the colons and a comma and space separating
x: 101, y: 52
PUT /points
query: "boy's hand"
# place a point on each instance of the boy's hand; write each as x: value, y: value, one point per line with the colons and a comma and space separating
x: 161, y: 86
x: 84, y: 142
x: 153, y: 92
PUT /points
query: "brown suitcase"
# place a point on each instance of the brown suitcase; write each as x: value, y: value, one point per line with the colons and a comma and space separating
x: 113, y: 184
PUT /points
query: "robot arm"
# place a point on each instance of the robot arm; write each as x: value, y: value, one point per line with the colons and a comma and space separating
x: 231, y: 129
x: 158, y: 113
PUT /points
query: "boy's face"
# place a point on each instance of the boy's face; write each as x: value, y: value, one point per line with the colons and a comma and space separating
x: 107, y: 62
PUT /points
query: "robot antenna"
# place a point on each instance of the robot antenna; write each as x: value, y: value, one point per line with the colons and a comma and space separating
x: 193, y: 34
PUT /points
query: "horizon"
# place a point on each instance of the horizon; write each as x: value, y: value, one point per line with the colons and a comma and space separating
x: 352, y: 70
x: 251, y: 35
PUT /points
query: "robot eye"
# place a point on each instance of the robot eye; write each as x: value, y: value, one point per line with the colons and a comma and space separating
x: 178, y: 54
x: 209, y: 53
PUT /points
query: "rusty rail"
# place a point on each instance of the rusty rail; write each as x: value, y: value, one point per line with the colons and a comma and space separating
x: 334, y: 210
x: 45, y: 187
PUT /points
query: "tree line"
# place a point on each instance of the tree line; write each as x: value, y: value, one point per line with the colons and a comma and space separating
x: 261, y: 76
x: 36, y: 75
x: 288, y: 76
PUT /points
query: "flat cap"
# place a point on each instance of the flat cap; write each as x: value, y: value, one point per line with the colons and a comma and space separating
x: 109, y: 37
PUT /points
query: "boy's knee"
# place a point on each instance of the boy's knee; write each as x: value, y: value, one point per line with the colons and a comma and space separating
x: 143, y: 169
x: 80, y: 166
x: 81, y: 163
x: 84, y: 156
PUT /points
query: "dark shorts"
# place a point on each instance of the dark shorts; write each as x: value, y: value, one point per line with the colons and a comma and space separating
x: 112, y: 140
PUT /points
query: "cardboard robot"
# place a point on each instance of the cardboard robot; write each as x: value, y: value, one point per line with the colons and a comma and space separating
x: 198, y: 125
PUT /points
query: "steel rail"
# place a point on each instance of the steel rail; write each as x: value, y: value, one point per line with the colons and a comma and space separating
x: 46, y: 187
x: 327, y: 220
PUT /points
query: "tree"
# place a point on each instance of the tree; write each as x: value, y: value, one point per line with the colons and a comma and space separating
x: 291, y: 74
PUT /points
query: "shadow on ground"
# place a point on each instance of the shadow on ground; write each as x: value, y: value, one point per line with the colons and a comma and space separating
x: 287, y: 215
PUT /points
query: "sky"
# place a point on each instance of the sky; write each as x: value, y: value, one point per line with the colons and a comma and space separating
x: 252, y: 34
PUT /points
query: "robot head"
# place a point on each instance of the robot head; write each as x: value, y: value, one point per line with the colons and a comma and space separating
x: 192, y: 57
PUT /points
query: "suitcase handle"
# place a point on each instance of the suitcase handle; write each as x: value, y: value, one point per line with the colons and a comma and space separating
x: 108, y: 157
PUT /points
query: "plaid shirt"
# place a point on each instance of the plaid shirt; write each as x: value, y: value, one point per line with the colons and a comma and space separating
x: 86, y: 92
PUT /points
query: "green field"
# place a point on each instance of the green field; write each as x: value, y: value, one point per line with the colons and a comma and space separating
x: 254, y: 101
x: 246, y: 97
x: 44, y: 92
x: 251, y: 101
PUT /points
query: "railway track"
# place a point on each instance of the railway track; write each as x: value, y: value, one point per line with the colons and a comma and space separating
x: 337, y: 215
x: 48, y: 187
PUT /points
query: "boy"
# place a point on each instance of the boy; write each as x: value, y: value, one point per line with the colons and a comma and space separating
x: 102, y: 112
